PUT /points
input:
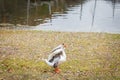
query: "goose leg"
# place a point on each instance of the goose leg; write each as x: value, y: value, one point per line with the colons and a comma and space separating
x: 57, y: 70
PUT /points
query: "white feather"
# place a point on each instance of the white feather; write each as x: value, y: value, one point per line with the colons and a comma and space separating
x: 59, y: 59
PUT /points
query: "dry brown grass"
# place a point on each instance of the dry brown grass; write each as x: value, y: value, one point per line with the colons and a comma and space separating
x: 90, y: 56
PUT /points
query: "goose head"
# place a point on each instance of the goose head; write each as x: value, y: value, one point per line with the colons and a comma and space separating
x: 63, y: 46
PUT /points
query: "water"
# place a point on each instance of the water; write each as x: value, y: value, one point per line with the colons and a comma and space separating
x: 64, y: 15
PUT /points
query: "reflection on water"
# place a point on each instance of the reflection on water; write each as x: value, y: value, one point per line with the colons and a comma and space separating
x: 61, y: 15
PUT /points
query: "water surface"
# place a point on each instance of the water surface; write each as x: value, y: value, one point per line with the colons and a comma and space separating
x: 63, y: 15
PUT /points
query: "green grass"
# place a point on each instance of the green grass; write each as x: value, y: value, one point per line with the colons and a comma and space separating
x: 90, y: 56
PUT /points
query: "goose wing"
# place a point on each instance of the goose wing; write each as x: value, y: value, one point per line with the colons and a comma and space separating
x: 55, y: 57
x: 54, y: 53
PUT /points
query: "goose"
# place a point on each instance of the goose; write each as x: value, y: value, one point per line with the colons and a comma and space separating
x: 56, y: 57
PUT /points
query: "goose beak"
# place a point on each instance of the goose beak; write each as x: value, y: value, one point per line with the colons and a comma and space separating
x: 64, y: 46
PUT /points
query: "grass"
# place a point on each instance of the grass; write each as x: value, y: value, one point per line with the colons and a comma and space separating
x: 90, y: 56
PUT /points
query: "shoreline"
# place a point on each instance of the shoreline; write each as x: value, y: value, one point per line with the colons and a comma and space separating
x: 58, y: 31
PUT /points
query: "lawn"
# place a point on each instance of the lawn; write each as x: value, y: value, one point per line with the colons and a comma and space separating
x: 90, y: 56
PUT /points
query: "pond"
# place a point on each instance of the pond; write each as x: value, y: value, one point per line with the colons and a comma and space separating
x: 61, y: 15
